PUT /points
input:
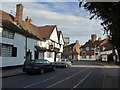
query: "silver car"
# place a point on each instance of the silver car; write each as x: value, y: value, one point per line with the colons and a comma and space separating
x: 63, y: 63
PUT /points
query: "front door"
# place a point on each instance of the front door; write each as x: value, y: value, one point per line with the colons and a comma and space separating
x: 28, y: 56
x: 55, y: 57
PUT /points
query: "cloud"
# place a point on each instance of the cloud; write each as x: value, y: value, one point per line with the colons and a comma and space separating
x: 72, y: 22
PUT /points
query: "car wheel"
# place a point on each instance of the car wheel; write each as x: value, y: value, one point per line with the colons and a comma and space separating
x: 28, y: 72
x: 66, y: 66
x: 42, y: 71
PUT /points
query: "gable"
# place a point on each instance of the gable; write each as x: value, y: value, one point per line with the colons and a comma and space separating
x: 61, y: 39
x: 46, y: 31
x: 54, y: 36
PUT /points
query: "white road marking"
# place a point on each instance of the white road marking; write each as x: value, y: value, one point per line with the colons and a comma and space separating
x: 38, y: 82
x: 82, y: 80
x: 65, y: 78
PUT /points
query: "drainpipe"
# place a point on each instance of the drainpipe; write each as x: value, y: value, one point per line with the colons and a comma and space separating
x: 25, y: 48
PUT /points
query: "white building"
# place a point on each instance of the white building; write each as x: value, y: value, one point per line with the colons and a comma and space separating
x: 21, y: 40
x: 52, y: 47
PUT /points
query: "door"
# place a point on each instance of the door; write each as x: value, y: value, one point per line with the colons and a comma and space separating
x: 55, y: 57
x: 28, y: 55
x: 36, y: 55
x: 49, y: 65
x: 41, y: 55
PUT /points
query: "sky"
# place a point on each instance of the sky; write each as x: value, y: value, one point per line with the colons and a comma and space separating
x: 72, y: 20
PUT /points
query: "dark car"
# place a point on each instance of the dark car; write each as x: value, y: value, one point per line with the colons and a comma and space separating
x: 31, y: 66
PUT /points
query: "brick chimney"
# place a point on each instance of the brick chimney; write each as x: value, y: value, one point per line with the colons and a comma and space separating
x: 19, y: 12
x: 99, y: 39
x: 77, y: 41
x: 93, y: 37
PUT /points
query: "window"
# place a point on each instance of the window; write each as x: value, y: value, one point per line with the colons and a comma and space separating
x: 7, y: 34
x: 49, y: 54
x: 90, y: 56
x: 83, y: 55
x: 47, y: 62
x: 14, y: 51
x: 90, y: 48
x: 38, y: 61
x: 8, y: 50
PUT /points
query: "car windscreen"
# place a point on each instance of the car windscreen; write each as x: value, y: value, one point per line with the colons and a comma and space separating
x: 39, y: 61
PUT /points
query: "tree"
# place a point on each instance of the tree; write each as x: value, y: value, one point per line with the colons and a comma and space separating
x: 109, y: 13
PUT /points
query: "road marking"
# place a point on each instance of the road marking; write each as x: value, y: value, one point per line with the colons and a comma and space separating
x: 38, y: 82
x: 66, y: 78
x: 82, y: 79
x: 96, y: 66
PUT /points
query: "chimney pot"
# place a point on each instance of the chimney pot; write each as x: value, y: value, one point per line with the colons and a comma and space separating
x: 77, y: 41
x: 99, y: 39
x: 93, y: 37
x: 26, y: 19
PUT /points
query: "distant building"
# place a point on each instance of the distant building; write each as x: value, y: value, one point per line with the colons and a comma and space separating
x: 66, y: 40
x: 106, y: 50
x: 72, y: 51
x: 95, y: 49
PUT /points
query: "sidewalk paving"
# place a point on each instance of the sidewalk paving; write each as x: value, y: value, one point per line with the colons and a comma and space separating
x: 12, y: 72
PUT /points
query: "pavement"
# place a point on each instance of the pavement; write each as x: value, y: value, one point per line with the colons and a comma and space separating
x: 83, y: 74
x: 9, y: 72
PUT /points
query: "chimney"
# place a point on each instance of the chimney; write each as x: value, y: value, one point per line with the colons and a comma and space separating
x: 77, y: 41
x: 26, y: 19
x: 93, y: 37
x: 19, y: 12
x: 99, y: 39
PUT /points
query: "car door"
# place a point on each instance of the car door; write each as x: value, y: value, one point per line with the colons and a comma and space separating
x: 49, y: 65
x: 45, y: 65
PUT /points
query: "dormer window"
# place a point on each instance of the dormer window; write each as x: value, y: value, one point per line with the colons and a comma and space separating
x: 8, y: 34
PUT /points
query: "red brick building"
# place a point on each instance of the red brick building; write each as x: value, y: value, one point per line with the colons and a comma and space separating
x: 72, y: 51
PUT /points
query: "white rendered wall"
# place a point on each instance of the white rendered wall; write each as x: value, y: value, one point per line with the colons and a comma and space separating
x: 0, y: 42
x: 31, y: 46
x: 54, y: 36
x: 19, y: 42
x: 47, y: 58
x: 87, y: 58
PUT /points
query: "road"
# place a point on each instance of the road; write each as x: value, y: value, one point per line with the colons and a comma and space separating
x: 81, y: 75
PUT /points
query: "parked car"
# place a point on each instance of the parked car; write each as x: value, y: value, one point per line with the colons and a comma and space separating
x: 63, y: 63
x: 31, y: 66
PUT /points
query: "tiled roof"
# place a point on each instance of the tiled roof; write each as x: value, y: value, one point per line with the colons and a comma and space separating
x: 46, y: 31
x: 70, y: 45
x: 91, y: 52
x: 92, y: 44
x: 106, y: 46
x: 6, y: 16
x: 30, y: 28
